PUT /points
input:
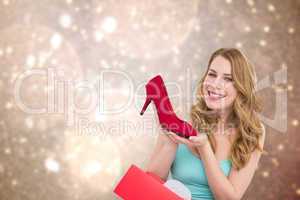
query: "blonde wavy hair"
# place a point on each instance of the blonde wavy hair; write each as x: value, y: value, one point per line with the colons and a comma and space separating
x: 244, y: 115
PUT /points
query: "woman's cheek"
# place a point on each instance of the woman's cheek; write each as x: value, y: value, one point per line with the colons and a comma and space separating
x: 232, y: 96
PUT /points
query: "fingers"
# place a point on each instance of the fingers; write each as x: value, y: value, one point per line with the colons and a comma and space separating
x: 177, y: 139
x: 198, y: 137
x: 195, y: 138
x: 163, y: 131
x: 199, y: 140
x: 181, y: 139
x: 173, y: 139
x: 169, y: 135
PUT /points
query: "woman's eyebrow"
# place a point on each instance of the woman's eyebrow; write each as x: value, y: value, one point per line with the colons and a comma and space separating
x: 216, y: 72
x: 213, y: 70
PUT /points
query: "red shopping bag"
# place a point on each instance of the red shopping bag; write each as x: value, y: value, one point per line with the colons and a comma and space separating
x: 138, y: 185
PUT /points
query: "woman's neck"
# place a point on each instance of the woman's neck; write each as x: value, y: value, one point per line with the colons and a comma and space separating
x: 224, y: 123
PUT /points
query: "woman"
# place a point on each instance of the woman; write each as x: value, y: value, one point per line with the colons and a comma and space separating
x: 221, y: 163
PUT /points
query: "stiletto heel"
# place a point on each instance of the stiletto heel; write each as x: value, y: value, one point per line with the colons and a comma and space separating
x: 147, y: 102
x: 157, y: 92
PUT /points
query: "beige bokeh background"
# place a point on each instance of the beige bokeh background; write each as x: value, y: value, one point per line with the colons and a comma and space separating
x: 72, y: 76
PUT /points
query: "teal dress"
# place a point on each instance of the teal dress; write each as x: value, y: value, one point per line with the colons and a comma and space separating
x: 189, y: 169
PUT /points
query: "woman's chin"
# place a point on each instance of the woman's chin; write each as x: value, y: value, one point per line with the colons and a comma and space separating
x: 215, y: 106
x: 216, y: 109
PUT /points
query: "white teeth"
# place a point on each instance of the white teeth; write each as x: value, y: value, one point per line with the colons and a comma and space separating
x: 212, y: 94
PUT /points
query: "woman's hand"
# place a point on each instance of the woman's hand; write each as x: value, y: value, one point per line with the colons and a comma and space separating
x: 166, y: 139
x: 193, y: 141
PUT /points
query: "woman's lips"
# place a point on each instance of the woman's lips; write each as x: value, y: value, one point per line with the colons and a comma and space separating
x: 214, y: 96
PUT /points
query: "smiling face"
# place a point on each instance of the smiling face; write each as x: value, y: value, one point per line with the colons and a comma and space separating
x: 235, y: 96
x: 218, y: 86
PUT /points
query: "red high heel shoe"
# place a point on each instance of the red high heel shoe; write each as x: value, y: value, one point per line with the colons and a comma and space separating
x: 157, y: 92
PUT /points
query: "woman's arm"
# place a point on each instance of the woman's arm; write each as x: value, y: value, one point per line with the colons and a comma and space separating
x: 223, y: 188
x: 233, y: 187
x: 163, y: 156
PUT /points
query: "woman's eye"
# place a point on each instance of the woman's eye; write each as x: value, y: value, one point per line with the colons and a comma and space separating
x: 211, y: 74
x: 228, y: 79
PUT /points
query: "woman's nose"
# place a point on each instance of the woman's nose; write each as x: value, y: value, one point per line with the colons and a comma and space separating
x: 218, y: 83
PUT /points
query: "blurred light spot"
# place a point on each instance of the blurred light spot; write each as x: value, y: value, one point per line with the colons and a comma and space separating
x: 271, y: 7
x: 70, y: 156
x: 99, y: 9
x: 180, y: 78
x: 114, y: 167
x: 7, y: 151
x: 262, y: 43
x: 148, y: 55
x: 250, y: 2
x: 14, y: 182
x: 52, y: 165
x: 104, y: 64
x: 265, y: 174
x: 290, y: 87
x: 109, y: 24
x: 84, y: 34
x: 29, y: 122
x: 98, y: 36
x: 291, y: 30
x: 65, y: 20
x: 197, y: 28
x: 74, y: 28
x: 175, y: 50
x: 91, y: 168
x: 142, y: 68
x: 23, y: 140
x: 275, y: 162
x: 136, y: 26
x: 8, y: 105
x: 77, y: 9
x: 298, y: 191
x: 9, y: 50
x: 220, y: 34
x: 280, y: 147
x: 30, y: 61
x: 295, y: 122
x: 133, y: 12
x: 53, y: 61
x: 56, y: 41
x: 6, y: 2
x: 166, y: 36
x: 247, y: 29
x: 266, y: 29
x: 238, y: 44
